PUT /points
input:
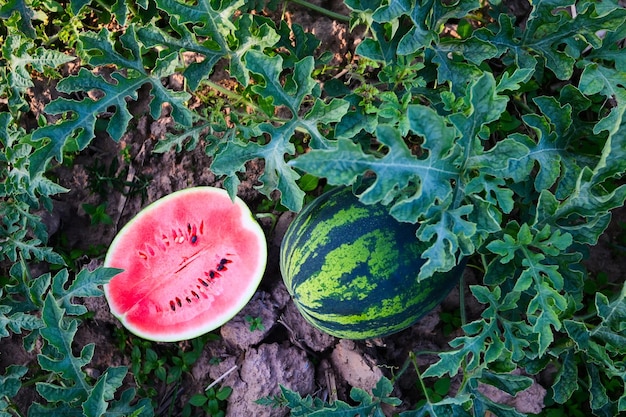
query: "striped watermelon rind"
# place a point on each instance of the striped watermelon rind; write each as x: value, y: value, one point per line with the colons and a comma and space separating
x: 352, y: 269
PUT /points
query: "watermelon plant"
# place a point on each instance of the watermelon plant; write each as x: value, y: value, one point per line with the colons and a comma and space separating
x: 495, y: 127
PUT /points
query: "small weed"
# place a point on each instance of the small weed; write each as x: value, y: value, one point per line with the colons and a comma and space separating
x: 436, y: 392
x: 97, y: 214
x: 74, y: 258
x: 256, y: 323
x: 104, y: 180
x: 126, y: 156
x: 153, y: 365
x: 211, y: 402
x: 451, y: 321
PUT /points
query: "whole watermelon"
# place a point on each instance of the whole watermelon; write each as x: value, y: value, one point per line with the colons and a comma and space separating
x: 352, y: 269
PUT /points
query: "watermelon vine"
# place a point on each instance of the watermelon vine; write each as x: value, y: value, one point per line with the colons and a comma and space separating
x: 500, y: 130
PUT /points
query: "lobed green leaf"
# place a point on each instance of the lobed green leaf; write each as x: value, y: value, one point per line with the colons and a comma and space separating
x: 79, y: 127
x: 25, y: 13
x: 278, y: 174
x: 59, y: 333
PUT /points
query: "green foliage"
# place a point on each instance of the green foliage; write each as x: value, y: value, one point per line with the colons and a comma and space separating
x: 21, y: 56
x: 49, y: 313
x: 97, y: 214
x: 105, y: 179
x: 366, y: 404
x: 256, y: 323
x: 277, y: 174
x: 211, y: 402
x: 153, y: 366
x: 525, y: 199
x: 502, y: 137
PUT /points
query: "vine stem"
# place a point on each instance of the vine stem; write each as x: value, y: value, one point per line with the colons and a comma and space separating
x: 419, y: 377
x: 462, y: 301
x: 12, y: 407
x: 322, y: 10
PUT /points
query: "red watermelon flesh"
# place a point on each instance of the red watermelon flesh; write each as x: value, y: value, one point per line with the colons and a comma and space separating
x: 191, y: 261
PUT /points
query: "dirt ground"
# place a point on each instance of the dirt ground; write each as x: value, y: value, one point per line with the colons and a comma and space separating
x: 288, y: 351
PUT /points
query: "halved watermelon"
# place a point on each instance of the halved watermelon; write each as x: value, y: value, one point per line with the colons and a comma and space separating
x: 191, y: 261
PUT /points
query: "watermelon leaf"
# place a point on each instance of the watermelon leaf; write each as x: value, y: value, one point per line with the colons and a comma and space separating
x: 95, y: 405
x: 270, y: 68
x: 73, y: 392
x: 16, y: 322
x: 85, y: 284
x: 79, y: 127
x: 187, y: 139
x: 193, y: 24
x: 482, y: 404
x: 601, y: 349
x: 60, y: 358
x: 509, y: 383
x: 365, y: 404
x: 153, y: 37
x: 128, y: 405
x: 278, y: 175
x: 10, y: 384
x: 29, y: 248
x: 566, y: 380
x: 25, y: 13
x: 577, y: 33
x: 21, y: 56
x: 210, y: 23
x: 537, y: 275
x: 481, y: 345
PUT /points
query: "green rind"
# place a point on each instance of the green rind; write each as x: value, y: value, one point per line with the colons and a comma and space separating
x: 352, y: 268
